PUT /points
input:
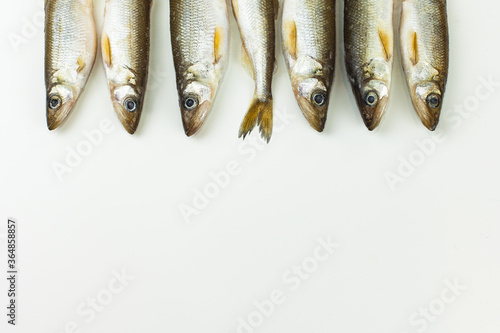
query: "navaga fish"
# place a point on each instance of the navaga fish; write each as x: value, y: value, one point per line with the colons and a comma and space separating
x: 70, y: 52
x: 256, y: 23
x: 369, y: 40
x: 125, y: 52
x: 200, y: 35
x: 425, y: 56
x: 308, y: 38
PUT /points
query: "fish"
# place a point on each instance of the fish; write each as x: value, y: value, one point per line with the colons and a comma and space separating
x: 125, y: 47
x: 424, y: 41
x: 369, y: 48
x: 256, y: 24
x: 200, y: 36
x: 70, y: 53
x: 308, y: 43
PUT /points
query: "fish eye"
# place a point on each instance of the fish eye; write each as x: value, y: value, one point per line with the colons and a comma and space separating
x: 319, y: 98
x: 54, y: 102
x: 371, y: 98
x: 434, y: 100
x: 130, y: 104
x: 190, y: 102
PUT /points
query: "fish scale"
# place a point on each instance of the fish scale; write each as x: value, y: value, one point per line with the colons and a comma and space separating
x: 197, y: 29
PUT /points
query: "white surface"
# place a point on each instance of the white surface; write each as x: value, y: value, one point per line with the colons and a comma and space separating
x: 120, y: 207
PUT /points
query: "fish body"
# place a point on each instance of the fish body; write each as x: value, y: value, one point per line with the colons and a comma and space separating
x: 200, y: 35
x: 70, y: 52
x: 425, y: 56
x: 369, y: 44
x: 256, y: 23
x: 125, y: 49
x: 308, y: 38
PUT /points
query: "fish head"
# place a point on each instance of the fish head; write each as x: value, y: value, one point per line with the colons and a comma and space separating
x: 60, y: 101
x: 312, y: 95
x: 372, y: 98
x: 127, y: 102
x: 427, y: 99
x: 195, y: 102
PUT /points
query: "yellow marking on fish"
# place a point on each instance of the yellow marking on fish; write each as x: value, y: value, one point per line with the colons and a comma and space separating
x: 291, y: 38
x: 81, y: 64
x: 218, y: 41
x: 106, y: 50
x: 386, y: 45
x: 414, y: 49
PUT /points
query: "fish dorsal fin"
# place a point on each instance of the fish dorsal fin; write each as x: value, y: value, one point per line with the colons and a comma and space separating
x: 246, y: 62
x: 386, y: 43
x: 218, y: 43
x: 414, y: 49
x: 290, y: 38
x: 276, y: 4
x: 106, y: 50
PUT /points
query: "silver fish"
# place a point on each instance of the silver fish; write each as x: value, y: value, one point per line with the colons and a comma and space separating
x: 425, y: 56
x: 369, y: 43
x: 256, y: 23
x: 200, y: 35
x: 125, y: 50
x: 70, y: 52
x: 308, y: 38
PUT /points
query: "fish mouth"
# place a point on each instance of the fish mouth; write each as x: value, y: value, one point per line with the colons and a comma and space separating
x: 56, y: 118
x: 129, y: 120
x: 193, y: 120
x: 316, y: 116
x: 371, y: 115
x: 427, y: 100
x: 428, y: 116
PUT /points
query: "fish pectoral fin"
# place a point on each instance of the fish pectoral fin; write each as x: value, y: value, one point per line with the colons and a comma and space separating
x: 106, y: 50
x: 276, y: 9
x: 81, y: 64
x: 290, y: 38
x: 218, y: 43
x: 386, y: 42
x: 413, y: 48
x: 246, y: 62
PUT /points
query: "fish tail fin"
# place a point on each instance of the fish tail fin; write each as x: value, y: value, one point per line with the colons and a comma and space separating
x: 260, y: 113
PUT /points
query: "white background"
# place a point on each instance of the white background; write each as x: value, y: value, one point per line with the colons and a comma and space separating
x: 120, y: 207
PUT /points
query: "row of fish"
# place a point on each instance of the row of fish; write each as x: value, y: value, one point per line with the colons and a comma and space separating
x: 71, y: 49
x: 200, y: 34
